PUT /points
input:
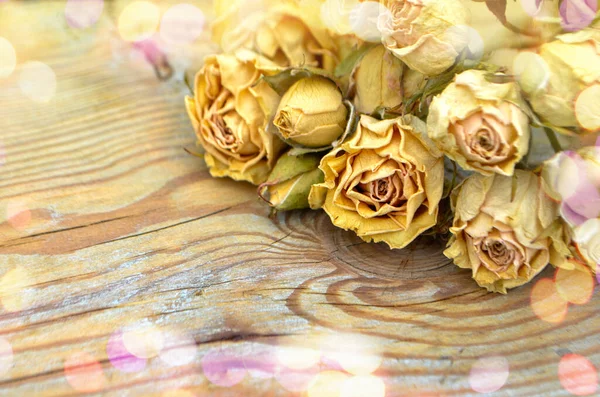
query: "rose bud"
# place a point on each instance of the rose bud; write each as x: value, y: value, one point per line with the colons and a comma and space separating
x: 312, y: 113
x: 562, y: 83
x: 479, y: 124
x: 417, y: 32
x: 229, y: 112
x: 290, y: 182
x: 573, y: 180
x: 383, y: 81
x: 385, y: 183
x: 505, y: 229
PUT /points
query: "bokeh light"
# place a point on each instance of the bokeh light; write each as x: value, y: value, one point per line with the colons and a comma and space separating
x: 489, y: 374
x: 357, y: 362
x: 14, y: 294
x: 8, y: 58
x: 18, y: 215
x: 575, y: 286
x: 223, y: 368
x: 178, y: 393
x: 531, y: 71
x: 6, y: 356
x: 532, y: 7
x: 463, y: 36
x: 138, y: 21
x: 294, y: 357
x: 296, y: 380
x: 261, y: 363
x: 365, y: 20
x: 360, y: 386
x: 178, y: 349
x: 547, y: 303
x: 144, y: 341
x: 82, y: 14
x: 335, y: 14
x: 37, y: 81
x: 577, y: 14
x: 327, y: 384
x: 578, y: 375
x: 182, y: 24
x: 353, y: 352
x: 587, y: 108
x: 84, y: 373
x: 120, y: 358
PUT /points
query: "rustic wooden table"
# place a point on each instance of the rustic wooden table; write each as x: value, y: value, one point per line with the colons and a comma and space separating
x: 114, y: 241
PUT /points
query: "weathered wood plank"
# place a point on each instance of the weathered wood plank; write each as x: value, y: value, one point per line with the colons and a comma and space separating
x: 126, y: 229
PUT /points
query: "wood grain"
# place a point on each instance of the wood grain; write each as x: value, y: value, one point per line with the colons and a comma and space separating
x: 126, y: 229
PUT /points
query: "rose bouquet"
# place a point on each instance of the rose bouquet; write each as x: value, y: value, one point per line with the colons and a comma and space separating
x: 470, y: 120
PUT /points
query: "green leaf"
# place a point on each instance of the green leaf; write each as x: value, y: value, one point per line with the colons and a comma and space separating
x: 281, y: 82
x: 349, y: 63
x: 291, y: 194
x: 289, y: 166
x: 499, y: 78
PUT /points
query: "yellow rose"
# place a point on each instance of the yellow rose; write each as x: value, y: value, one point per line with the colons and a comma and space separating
x: 479, y: 124
x: 573, y: 180
x: 288, y: 32
x: 383, y: 81
x: 385, y: 183
x: 564, y: 84
x: 312, y: 113
x: 505, y: 229
x: 528, y: 23
x: 229, y: 112
x: 417, y: 32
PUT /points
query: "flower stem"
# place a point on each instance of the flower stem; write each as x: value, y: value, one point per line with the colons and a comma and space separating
x: 553, y: 140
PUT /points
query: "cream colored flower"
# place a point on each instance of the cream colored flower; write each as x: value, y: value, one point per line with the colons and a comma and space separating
x: 288, y: 32
x: 573, y: 180
x: 385, y: 183
x: 416, y: 31
x: 505, y: 229
x: 229, y: 112
x: 312, y: 113
x: 528, y: 24
x: 479, y: 124
x: 587, y: 243
x: 564, y: 85
x: 383, y: 81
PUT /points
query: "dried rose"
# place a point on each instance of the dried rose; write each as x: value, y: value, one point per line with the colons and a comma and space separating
x: 288, y: 32
x: 385, y: 183
x: 480, y: 124
x: 417, y: 32
x: 312, y: 113
x: 383, y: 81
x: 505, y: 229
x: 512, y: 24
x: 229, y: 112
x: 564, y: 84
x: 573, y: 180
x: 586, y: 240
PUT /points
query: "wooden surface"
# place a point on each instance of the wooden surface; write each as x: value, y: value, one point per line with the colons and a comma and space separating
x: 127, y: 230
